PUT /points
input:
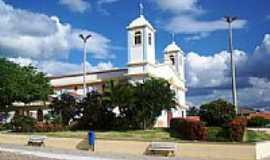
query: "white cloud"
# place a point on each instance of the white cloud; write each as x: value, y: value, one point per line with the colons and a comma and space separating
x: 54, y: 67
x: 187, y: 19
x: 202, y: 98
x: 208, y: 77
x: 264, y: 48
x: 210, y: 71
x: 197, y: 36
x: 101, y: 3
x: 64, y: 68
x: 179, y: 6
x: 260, y: 56
x: 23, y: 61
x: 35, y: 35
x: 260, y: 89
x: 190, y: 25
x: 255, y: 95
x: 79, y: 6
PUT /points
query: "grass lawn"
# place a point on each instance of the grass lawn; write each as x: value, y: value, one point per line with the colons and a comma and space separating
x: 215, y: 134
x: 144, y: 135
x: 256, y: 136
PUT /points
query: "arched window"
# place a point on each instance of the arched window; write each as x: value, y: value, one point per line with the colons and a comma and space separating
x: 172, y: 59
x: 149, y: 38
x: 138, y: 38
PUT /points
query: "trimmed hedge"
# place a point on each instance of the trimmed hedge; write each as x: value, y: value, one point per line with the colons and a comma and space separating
x: 189, y: 129
x: 237, y: 129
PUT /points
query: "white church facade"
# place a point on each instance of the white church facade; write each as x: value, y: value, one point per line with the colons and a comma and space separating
x: 141, y: 65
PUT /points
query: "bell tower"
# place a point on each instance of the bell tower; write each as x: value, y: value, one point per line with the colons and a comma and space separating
x: 174, y: 56
x: 141, y: 43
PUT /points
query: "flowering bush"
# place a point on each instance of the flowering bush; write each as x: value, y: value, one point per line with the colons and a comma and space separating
x: 237, y: 129
x: 189, y: 129
x: 47, y: 127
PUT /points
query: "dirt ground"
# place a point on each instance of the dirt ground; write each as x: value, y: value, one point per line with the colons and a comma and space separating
x: 202, y: 151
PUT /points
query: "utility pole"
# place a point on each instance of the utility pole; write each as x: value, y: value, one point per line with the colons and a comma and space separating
x: 84, y: 38
x: 230, y: 20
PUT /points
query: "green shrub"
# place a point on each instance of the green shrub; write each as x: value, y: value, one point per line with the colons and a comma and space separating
x: 237, y: 129
x: 258, y: 121
x: 217, y: 113
x: 23, y: 123
x: 52, y: 118
x: 189, y: 129
x: 6, y: 126
x: 66, y: 107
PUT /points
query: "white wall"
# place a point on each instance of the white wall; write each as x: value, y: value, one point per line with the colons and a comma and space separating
x: 99, y: 76
x: 262, y: 150
x: 165, y: 71
x: 150, y: 49
x: 162, y: 120
x: 135, y: 52
x: 136, y: 70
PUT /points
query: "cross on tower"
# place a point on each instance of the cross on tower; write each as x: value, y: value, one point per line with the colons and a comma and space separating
x: 173, y: 37
x: 141, y: 8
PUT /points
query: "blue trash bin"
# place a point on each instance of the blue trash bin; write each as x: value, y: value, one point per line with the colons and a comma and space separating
x: 91, y: 139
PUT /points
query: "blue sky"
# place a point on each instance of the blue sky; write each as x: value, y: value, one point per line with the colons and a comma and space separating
x: 44, y: 34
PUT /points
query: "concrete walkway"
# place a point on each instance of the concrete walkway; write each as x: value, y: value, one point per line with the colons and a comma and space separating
x: 200, y: 151
x: 18, y: 152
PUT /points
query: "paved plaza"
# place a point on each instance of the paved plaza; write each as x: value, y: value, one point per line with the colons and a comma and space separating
x: 19, y: 152
x: 186, y: 151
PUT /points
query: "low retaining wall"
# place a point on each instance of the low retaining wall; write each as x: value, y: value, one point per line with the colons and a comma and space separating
x: 262, y: 150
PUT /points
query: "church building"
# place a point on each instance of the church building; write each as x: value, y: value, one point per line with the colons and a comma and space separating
x: 141, y: 65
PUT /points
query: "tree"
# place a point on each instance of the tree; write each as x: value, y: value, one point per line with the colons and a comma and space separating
x: 120, y: 95
x: 193, y: 111
x: 258, y: 121
x: 36, y: 85
x: 217, y: 113
x: 95, y: 115
x: 8, y: 83
x: 152, y: 97
x: 138, y: 105
x: 66, y: 107
x: 24, y: 84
